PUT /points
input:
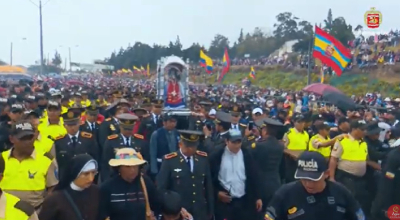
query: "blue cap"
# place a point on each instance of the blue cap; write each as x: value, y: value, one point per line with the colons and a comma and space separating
x: 311, y: 166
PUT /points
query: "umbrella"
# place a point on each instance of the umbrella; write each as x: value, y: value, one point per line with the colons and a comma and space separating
x: 340, y: 100
x: 320, y: 88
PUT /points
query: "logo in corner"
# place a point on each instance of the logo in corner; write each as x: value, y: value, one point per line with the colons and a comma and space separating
x: 373, y: 18
x: 393, y: 212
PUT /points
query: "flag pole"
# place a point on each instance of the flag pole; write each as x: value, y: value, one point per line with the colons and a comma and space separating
x: 309, y: 60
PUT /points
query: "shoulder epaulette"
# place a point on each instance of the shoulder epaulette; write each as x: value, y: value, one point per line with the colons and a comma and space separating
x: 201, y: 153
x: 139, y: 136
x: 48, y: 155
x: 108, y: 119
x: 243, y: 125
x: 25, y: 207
x: 113, y: 136
x: 86, y: 135
x: 171, y: 155
x: 59, y: 137
x: 251, y: 138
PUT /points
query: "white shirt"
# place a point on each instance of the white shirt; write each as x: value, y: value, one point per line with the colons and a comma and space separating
x: 232, y: 173
x: 76, y: 135
x: 186, y: 159
x: 155, y: 118
x: 127, y: 140
x: 235, y: 126
x: 91, y: 125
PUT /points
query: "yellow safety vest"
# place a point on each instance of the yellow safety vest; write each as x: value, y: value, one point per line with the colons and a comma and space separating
x: 325, y: 151
x: 27, y: 175
x: 13, y: 213
x: 297, y: 140
x: 354, y: 150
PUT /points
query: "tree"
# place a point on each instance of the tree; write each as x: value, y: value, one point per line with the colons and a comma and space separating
x: 2, y: 63
x: 56, y: 61
x: 329, y: 21
x: 286, y: 28
x: 218, y: 46
x: 241, y: 36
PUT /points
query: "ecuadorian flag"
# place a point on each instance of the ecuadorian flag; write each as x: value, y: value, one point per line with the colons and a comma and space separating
x: 206, y: 62
x: 252, y: 73
x: 330, y: 51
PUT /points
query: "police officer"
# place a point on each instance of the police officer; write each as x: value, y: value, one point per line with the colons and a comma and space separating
x: 296, y: 141
x: 389, y: 186
x: 313, y: 197
x: 222, y: 126
x: 15, y: 114
x: 124, y: 138
x: 187, y: 172
x: 267, y: 153
x: 11, y: 207
x: 74, y: 142
x: 348, y: 163
x: 321, y: 141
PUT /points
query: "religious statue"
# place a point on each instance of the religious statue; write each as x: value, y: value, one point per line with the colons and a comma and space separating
x: 174, y: 89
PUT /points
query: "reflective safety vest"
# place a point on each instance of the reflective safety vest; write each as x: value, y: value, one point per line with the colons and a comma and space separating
x: 297, y: 140
x: 354, y: 150
x: 11, y: 212
x: 27, y: 175
x: 325, y: 151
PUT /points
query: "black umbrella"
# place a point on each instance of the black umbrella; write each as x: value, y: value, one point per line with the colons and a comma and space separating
x: 340, y: 100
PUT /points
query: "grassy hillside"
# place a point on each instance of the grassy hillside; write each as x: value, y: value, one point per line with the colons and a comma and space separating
x: 385, y: 80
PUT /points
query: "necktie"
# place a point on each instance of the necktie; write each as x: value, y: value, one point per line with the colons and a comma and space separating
x: 127, y: 142
x: 74, y: 140
x: 92, y: 125
x: 188, y: 163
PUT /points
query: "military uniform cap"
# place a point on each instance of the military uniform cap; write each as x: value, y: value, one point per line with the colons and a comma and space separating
x: 71, y: 117
x: 139, y: 111
x: 271, y: 121
x: 223, y: 118
x: 117, y: 94
x: 127, y: 120
x: 92, y: 109
x: 76, y: 106
x: 235, y: 110
x: 190, y: 137
x: 146, y: 102
x: 158, y: 102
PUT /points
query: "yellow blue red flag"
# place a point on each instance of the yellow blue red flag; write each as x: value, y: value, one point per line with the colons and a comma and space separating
x: 206, y: 62
x: 252, y: 73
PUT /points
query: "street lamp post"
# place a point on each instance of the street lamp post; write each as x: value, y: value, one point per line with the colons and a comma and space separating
x: 41, y: 38
x: 11, y: 51
x: 69, y: 55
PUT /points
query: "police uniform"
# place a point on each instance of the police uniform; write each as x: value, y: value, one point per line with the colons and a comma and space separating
x: 351, y: 156
x: 295, y: 142
x: 30, y: 178
x: 54, y: 129
x: 5, y: 127
x: 189, y: 175
x: 69, y: 145
x: 12, y: 208
x: 115, y: 141
x: 292, y: 201
x: 268, y: 153
x: 317, y: 140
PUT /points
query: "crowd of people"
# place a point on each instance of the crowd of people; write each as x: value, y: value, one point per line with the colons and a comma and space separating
x: 106, y: 149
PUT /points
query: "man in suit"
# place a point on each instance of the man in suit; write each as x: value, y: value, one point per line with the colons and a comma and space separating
x: 73, y: 143
x: 235, y: 180
x: 187, y: 172
x: 153, y: 121
x: 116, y: 141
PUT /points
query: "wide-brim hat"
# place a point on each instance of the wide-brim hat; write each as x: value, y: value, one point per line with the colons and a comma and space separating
x: 127, y: 157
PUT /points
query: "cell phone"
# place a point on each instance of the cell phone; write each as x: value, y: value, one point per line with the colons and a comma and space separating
x: 251, y: 125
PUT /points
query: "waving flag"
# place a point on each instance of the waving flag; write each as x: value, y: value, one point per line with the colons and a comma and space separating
x: 252, y: 73
x: 137, y: 70
x: 142, y: 70
x: 330, y: 51
x: 206, y: 62
x: 226, y: 63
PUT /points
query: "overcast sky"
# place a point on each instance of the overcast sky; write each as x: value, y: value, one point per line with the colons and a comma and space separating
x: 99, y: 27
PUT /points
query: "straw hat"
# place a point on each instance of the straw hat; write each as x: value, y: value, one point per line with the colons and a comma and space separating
x: 127, y: 157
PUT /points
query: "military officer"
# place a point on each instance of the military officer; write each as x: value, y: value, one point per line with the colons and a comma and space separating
x: 235, y: 119
x: 222, y: 126
x: 74, y: 142
x: 124, y: 138
x: 187, y: 172
x: 91, y: 124
x: 268, y: 153
x: 154, y: 121
x: 110, y: 126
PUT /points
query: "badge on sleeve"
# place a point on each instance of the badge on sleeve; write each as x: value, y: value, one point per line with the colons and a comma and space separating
x: 268, y: 216
x: 292, y: 210
x: 389, y: 175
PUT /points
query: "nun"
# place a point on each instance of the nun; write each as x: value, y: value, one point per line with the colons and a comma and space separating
x: 75, y: 197
x: 128, y: 195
